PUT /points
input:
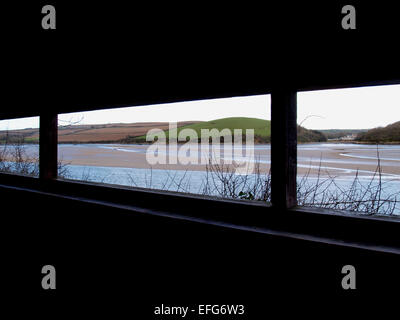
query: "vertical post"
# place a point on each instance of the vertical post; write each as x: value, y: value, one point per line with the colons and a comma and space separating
x: 48, y: 146
x: 283, y: 147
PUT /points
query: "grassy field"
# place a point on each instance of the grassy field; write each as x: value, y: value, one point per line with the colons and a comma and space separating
x: 99, y: 133
x: 262, y: 128
x: 24, y: 135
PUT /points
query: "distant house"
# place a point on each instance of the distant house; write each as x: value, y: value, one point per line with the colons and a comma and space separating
x: 349, y: 137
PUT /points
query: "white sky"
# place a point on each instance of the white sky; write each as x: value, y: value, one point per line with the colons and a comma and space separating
x: 204, y: 110
x: 355, y: 108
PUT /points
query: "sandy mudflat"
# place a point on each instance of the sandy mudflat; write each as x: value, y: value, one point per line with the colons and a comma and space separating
x: 114, y: 156
x: 338, y: 159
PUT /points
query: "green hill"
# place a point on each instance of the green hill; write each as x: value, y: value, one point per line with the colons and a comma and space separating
x: 262, y: 130
x: 388, y: 134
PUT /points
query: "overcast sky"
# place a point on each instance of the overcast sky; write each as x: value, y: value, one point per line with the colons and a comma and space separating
x: 355, y: 108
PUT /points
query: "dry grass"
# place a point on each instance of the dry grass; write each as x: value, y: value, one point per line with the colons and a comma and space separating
x: 14, y: 159
x: 321, y: 191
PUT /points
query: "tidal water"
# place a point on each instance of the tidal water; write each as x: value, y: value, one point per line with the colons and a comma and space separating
x: 318, y: 162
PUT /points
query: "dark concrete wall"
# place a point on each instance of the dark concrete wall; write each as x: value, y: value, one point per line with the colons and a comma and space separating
x: 111, y: 260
